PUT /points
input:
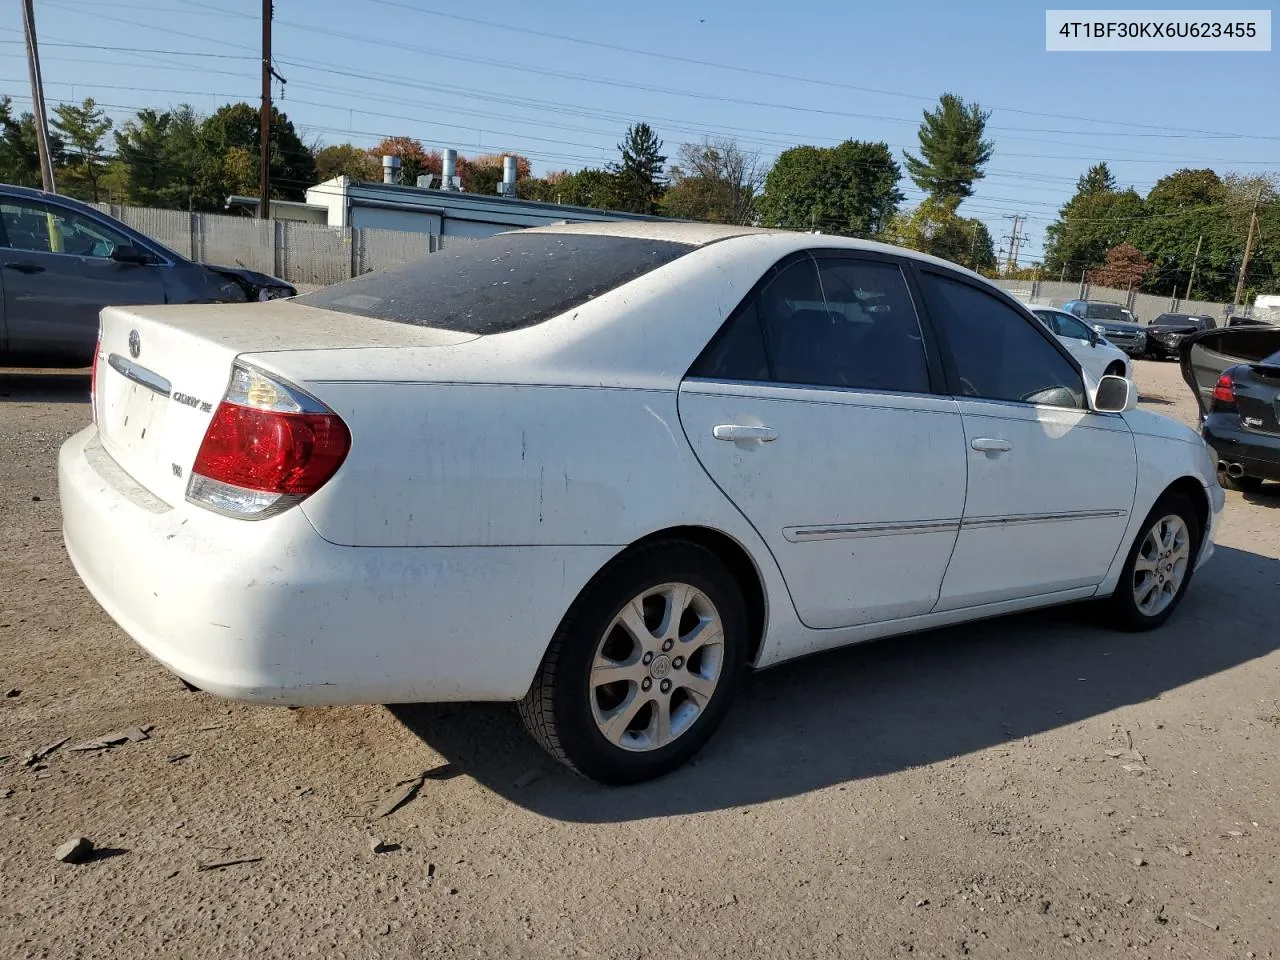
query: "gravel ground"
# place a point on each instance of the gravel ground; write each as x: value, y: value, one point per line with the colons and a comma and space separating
x: 964, y: 793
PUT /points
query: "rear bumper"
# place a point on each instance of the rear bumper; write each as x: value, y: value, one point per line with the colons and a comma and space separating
x: 268, y: 611
x: 1258, y: 453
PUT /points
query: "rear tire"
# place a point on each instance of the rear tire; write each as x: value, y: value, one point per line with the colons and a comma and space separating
x: 643, y: 667
x: 1159, y: 567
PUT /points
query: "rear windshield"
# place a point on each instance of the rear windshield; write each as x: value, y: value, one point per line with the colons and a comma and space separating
x: 498, y: 284
x: 1173, y: 319
x: 1108, y: 311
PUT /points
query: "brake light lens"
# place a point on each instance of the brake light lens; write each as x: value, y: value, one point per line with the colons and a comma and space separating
x: 1224, y: 392
x: 268, y: 447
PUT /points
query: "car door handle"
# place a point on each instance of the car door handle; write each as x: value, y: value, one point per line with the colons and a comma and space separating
x: 742, y: 431
x: 25, y: 267
x: 990, y: 445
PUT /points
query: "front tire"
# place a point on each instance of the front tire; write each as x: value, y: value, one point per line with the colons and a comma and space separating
x: 1159, y: 567
x: 643, y: 667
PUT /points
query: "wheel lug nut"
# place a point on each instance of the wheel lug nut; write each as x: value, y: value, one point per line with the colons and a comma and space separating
x: 646, y: 683
x: 667, y: 646
x: 648, y: 659
x: 666, y: 686
x: 678, y: 662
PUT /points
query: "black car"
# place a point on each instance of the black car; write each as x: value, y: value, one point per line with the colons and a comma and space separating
x: 1167, y: 331
x: 62, y: 261
x: 1235, y: 374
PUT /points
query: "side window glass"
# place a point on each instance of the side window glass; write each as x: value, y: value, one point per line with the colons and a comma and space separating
x: 84, y: 237
x: 739, y: 354
x: 873, y: 331
x: 998, y: 353
x: 28, y: 227
x: 1071, y: 327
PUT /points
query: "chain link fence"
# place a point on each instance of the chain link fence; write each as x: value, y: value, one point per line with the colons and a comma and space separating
x: 1145, y: 306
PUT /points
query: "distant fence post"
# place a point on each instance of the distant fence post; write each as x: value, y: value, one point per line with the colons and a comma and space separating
x: 196, y: 252
x: 277, y: 248
x: 353, y: 263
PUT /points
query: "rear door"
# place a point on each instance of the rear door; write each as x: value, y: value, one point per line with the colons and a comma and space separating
x: 816, y: 410
x: 58, y: 275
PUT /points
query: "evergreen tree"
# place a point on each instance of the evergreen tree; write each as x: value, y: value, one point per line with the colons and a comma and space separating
x: 952, y: 151
x: 638, y: 180
x: 83, y: 128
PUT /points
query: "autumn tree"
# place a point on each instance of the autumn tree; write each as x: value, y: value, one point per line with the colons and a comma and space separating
x: 346, y: 160
x: 1124, y: 268
x: 952, y: 150
x: 716, y: 181
x: 850, y: 189
x: 638, y: 177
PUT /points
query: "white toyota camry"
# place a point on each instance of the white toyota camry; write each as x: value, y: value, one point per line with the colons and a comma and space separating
x: 601, y: 470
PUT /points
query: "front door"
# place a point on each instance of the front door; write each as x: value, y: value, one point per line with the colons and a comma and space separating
x: 58, y: 275
x: 1051, y: 483
x: 815, y: 412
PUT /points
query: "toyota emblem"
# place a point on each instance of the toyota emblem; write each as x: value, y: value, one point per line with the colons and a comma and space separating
x: 135, y: 344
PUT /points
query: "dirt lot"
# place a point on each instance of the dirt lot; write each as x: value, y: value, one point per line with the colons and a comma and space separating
x: 965, y: 793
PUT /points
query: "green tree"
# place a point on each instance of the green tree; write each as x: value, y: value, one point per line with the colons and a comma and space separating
x: 952, y: 150
x: 142, y: 147
x: 586, y: 188
x: 19, y: 150
x: 934, y: 228
x: 293, y: 168
x: 195, y: 168
x: 638, y: 180
x: 1183, y: 208
x: 850, y: 189
x: 346, y: 160
x: 715, y: 181
x: 1096, y: 218
x: 83, y: 128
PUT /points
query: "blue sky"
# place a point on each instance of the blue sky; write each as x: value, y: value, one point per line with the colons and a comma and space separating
x: 363, y: 69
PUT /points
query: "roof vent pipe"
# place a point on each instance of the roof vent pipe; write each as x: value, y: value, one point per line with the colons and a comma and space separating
x: 390, y: 169
x: 449, y: 169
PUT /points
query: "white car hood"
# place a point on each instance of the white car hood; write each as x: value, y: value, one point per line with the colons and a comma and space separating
x: 1148, y: 424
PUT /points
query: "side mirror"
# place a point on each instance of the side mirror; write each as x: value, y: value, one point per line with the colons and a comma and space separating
x: 1115, y: 395
x: 127, y: 253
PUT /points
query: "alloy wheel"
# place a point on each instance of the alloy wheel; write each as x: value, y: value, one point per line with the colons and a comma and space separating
x: 1161, y: 565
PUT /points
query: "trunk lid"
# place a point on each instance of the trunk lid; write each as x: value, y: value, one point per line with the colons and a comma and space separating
x: 163, y: 370
x: 1258, y: 397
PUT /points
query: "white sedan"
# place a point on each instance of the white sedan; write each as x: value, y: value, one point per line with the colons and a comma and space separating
x: 1098, y: 357
x: 600, y: 470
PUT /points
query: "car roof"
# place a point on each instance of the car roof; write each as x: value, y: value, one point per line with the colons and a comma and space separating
x: 784, y: 241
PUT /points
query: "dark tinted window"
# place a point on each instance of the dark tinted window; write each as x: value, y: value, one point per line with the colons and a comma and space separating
x: 998, y: 353
x: 1175, y: 320
x: 833, y: 323
x: 498, y: 284
x: 1069, y: 326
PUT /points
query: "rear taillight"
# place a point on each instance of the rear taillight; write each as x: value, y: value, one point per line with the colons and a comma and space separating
x: 268, y: 446
x: 93, y: 380
x: 1224, y: 393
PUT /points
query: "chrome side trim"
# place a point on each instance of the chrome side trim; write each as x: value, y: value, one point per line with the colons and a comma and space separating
x: 893, y: 528
x: 971, y: 523
x: 140, y: 375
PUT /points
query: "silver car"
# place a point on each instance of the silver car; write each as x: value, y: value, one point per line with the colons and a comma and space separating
x: 62, y: 261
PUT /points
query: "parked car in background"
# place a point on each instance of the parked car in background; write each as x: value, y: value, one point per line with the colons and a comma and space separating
x: 600, y: 469
x: 1167, y: 331
x: 1113, y: 321
x: 1086, y: 344
x: 1235, y: 375
x: 63, y: 261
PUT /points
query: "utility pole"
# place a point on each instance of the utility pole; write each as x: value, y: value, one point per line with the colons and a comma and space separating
x: 973, y: 246
x: 264, y: 119
x: 1248, y: 250
x: 1015, y: 240
x: 1194, y: 260
x: 37, y: 95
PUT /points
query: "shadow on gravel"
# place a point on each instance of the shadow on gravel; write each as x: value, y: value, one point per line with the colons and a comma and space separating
x: 1268, y: 496
x: 1158, y: 401
x: 887, y: 706
x: 40, y: 387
